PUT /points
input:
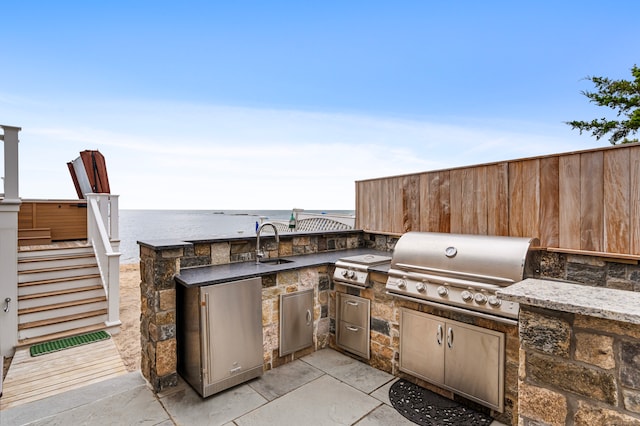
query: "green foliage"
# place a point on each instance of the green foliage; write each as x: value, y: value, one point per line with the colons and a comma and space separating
x: 620, y: 95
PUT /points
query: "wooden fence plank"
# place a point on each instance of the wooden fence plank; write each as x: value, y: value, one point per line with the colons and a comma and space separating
x: 634, y: 204
x: 616, y: 202
x: 569, y: 201
x: 445, y: 202
x: 549, y: 202
x: 480, y: 195
x: 455, y: 191
x: 497, y: 190
x: 530, y: 206
x: 591, y: 201
x: 515, y: 198
x: 467, y: 198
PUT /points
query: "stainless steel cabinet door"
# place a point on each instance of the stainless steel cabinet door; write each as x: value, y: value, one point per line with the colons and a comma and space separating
x: 422, y: 346
x: 296, y: 321
x: 474, y: 363
x: 232, y: 328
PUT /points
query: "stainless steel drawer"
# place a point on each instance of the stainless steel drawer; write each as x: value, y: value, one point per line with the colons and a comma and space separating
x: 354, y: 310
x: 353, y: 338
x: 352, y: 324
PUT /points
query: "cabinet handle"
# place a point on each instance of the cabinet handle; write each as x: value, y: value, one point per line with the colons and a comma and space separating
x: 439, y: 335
x: 348, y: 327
x: 450, y: 338
x: 308, y: 317
x: 352, y: 303
x: 6, y: 304
x: 205, y: 332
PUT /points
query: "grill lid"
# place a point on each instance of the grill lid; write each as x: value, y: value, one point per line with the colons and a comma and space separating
x: 487, y: 259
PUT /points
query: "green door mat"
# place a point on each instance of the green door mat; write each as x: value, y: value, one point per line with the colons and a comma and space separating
x: 67, y: 342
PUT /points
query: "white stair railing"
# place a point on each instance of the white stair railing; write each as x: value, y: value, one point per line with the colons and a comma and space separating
x: 102, y: 230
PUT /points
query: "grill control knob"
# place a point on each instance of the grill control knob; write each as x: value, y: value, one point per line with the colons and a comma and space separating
x: 420, y: 287
x: 401, y: 283
x: 494, y: 301
x: 345, y: 273
x: 466, y: 296
x: 352, y: 275
x: 480, y: 298
x: 443, y: 291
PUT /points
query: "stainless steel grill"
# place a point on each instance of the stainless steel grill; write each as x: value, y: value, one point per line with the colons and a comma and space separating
x: 353, y: 271
x: 459, y: 271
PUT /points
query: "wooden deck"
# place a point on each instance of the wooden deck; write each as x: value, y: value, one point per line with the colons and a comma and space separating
x: 33, y: 378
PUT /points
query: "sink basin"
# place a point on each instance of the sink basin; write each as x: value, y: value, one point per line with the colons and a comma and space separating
x: 275, y: 261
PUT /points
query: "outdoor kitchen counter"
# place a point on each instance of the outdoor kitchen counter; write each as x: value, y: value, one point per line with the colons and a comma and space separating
x: 618, y: 305
x: 216, y: 274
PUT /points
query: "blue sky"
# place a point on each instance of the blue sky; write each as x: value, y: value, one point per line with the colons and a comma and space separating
x: 282, y: 104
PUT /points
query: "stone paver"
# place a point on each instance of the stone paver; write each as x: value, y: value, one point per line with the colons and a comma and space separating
x: 188, y: 408
x: 284, y: 379
x: 324, y: 402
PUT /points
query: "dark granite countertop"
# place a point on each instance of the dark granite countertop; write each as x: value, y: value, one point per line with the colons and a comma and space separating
x: 216, y: 274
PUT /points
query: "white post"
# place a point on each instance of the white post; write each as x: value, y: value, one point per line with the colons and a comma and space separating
x: 114, y: 219
x: 10, y: 164
x: 113, y: 314
x: 9, y: 207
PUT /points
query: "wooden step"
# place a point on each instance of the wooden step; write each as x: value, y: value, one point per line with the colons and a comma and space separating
x: 57, y: 274
x: 63, y: 319
x: 54, y: 306
x: 57, y: 281
x: 62, y: 292
x: 60, y: 335
x: 55, y: 313
x: 53, y: 250
x: 47, y: 263
x: 72, y: 256
x: 34, y: 236
x: 57, y: 269
x: 33, y: 241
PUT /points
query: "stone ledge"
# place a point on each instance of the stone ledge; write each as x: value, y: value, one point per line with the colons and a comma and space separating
x: 619, y: 305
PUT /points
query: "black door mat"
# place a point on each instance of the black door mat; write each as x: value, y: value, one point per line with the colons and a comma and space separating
x: 67, y: 342
x: 426, y: 408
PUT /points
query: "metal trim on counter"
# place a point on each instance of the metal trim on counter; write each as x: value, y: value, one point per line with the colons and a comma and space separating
x: 456, y: 309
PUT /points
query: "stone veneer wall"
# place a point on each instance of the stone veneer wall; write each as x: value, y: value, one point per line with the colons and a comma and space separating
x: 590, y: 270
x: 578, y: 370
x: 159, y: 265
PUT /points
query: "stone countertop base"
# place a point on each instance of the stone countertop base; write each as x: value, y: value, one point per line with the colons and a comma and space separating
x: 619, y: 305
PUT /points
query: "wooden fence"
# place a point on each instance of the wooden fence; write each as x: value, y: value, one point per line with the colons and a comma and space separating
x: 587, y: 201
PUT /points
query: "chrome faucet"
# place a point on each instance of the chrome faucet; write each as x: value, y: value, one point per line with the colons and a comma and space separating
x: 259, y: 253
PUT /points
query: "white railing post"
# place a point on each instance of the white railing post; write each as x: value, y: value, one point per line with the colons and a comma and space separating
x: 11, y: 140
x: 114, y: 218
x: 9, y: 207
x: 100, y: 217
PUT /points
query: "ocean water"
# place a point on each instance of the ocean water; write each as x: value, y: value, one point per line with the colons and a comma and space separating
x: 149, y: 225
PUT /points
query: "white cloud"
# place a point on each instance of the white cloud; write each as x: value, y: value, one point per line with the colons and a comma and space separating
x: 187, y: 156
